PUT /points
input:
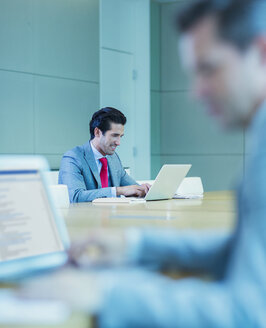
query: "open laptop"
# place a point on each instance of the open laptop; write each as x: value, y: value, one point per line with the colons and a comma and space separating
x: 167, y: 181
x: 165, y: 185
x: 33, y: 235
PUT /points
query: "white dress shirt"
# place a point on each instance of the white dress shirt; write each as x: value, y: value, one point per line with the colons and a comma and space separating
x: 97, y: 156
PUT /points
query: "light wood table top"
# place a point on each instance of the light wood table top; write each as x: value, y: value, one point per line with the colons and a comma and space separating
x: 215, y: 210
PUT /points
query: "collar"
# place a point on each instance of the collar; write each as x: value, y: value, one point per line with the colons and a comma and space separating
x: 259, y: 118
x: 256, y: 128
x: 96, y: 153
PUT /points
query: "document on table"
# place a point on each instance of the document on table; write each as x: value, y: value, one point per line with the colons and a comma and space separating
x: 118, y: 200
x: 188, y: 196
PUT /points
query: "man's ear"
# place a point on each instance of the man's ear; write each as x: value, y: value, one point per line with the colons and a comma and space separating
x: 97, y: 132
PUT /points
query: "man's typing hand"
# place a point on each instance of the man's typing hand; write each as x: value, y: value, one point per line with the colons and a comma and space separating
x: 146, y: 187
x: 134, y: 190
x: 100, y: 248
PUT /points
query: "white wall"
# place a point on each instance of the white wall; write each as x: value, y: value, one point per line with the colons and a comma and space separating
x: 125, y: 76
x: 49, y: 75
x: 155, y: 88
x: 187, y: 134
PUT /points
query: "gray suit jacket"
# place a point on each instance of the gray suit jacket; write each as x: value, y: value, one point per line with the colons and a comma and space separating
x: 78, y: 170
x: 238, y: 260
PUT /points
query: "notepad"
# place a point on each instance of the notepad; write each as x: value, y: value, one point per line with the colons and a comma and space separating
x: 188, y: 196
x: 118, y: 200
x: 190, y: 188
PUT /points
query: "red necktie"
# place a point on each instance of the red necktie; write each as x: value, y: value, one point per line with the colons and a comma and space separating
x: 104, y: 172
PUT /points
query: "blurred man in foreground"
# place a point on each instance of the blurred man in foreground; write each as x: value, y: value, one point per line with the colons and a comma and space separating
x: 223, y: 45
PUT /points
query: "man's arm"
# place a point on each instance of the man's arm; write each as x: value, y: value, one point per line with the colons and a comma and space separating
x: 198, y: 252
x: 128, y: 186
x: 71, y: 174
x: 125, y: 179
x: 144, y: 299
x: 206, y: 251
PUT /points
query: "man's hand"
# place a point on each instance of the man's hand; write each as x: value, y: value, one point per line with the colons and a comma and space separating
x: 146, y: 187
x: 135, y: 190
x: 100, y: 247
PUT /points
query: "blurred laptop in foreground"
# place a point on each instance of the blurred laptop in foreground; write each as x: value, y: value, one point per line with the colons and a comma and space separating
x: 33, y: 234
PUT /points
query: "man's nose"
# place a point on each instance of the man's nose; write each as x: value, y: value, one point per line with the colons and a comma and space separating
x: 117, y: 142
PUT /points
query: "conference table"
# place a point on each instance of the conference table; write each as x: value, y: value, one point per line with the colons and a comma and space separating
x: 215, y: 211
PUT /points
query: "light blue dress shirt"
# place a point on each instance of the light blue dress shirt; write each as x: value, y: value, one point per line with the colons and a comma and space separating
x: 237, y: 297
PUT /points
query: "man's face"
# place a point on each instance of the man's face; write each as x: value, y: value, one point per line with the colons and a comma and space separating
x: 107, y: 143
x: 225, y: 79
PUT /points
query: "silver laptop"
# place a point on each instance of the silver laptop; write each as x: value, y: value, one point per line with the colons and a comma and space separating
x: 167, y: 181
x: 33, y: 235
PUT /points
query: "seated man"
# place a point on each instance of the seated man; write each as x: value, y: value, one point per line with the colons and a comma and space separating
x: 94, y: 170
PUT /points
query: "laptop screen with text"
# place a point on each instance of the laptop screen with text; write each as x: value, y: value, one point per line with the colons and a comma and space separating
x: 27, y: 224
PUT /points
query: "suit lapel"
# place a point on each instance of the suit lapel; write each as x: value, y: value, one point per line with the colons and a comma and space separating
x: 112, y: 171
x: 89, y: 157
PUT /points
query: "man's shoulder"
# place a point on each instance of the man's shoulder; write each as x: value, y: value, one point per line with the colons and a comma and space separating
x: 78, y: 151
x: 75, y: 158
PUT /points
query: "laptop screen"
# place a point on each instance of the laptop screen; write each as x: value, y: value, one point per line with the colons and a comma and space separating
x: 27, y: 224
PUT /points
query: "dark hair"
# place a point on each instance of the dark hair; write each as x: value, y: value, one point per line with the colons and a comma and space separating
x: 103, y: 118
x: 239, y: 21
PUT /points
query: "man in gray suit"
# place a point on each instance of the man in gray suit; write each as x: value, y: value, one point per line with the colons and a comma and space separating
x: 94, y: 170
x: 223, y: 44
